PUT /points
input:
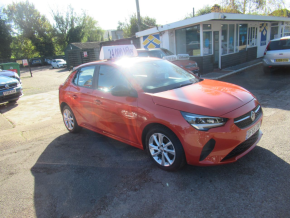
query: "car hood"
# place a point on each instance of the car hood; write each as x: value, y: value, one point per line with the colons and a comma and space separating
x: 5, y: 79
x: 7, y: 73
x: 183, y: 62
x: 208, y: 97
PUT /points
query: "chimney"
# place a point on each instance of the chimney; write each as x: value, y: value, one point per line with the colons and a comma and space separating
x: 192, y: 12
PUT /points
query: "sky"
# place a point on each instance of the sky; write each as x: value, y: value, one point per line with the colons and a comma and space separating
x: 109, y: 12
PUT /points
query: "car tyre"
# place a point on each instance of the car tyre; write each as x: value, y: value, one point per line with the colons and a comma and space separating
x: 165, y: 149
x: 69, y: 120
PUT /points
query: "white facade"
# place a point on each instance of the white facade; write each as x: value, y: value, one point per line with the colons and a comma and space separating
x: 218, y: 34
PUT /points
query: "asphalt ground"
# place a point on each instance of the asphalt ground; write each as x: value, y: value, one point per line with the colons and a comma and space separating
x: 48, y: 172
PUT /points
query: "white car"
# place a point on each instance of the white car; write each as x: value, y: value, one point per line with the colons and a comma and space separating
x: 57, y: 63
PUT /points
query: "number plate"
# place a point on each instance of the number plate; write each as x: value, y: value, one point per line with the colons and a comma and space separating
x: 253, y: 130
x: 281, y: 60
x: 9, y: 92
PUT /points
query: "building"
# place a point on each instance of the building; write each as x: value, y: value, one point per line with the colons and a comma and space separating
x: 217, y: 40
x: 113, y: 34
x: 78, y: 53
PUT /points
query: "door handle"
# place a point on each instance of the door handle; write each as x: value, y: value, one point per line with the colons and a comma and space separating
x: 98, y: 102
x: 75, y: 96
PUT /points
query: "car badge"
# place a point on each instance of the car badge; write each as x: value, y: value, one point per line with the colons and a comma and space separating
x: 6, y: 86
x: 253, y: 115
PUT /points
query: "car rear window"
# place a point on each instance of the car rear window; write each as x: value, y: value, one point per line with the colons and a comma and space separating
x: 279, y: 45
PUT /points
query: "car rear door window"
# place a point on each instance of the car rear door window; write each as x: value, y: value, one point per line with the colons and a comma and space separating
x: 85, y: 76
x: 110, y: 77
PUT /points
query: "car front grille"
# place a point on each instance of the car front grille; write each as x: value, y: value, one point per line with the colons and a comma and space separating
x: 241, y: 148
x: 245, y: 120
x: 11, y: 85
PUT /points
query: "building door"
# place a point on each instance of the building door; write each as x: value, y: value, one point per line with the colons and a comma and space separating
x: 216, y: 49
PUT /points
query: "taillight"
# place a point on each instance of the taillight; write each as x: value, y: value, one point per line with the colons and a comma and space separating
x: 267, y: 48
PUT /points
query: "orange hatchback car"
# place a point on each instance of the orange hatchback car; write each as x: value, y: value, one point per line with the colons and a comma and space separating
x: 157, y: 106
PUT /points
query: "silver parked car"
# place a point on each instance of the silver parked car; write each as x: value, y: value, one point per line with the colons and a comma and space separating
x: 277, y: 54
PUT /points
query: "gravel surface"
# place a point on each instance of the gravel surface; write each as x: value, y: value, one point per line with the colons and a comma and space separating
x: 48, y: 172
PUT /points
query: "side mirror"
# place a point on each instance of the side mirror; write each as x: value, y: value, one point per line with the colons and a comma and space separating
x: 124, y: 91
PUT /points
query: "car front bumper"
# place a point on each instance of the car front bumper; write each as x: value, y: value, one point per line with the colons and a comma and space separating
x: 229, y: 141
x: 11, y: 97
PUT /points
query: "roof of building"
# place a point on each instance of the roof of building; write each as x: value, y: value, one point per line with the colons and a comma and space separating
x: 211, y: 16
x: 86, y: 45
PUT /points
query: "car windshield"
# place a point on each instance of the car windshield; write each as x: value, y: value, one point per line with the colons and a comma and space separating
x: 159, y: 75
x: 167, y: 52
x: 143, y: 54
x: 59, y: 61
x: 279, y: 45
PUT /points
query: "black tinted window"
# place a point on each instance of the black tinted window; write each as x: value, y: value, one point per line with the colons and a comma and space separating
x: 279, y: 45
x: 110, y: 77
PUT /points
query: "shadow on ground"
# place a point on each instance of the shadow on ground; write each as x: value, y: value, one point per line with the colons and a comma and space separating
x: 7, y: 106
x: 88, y: 175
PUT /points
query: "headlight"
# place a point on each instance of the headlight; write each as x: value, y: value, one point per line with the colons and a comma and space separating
x: 201, y: 122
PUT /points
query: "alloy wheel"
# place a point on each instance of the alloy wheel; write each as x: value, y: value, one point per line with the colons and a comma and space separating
x: 162, y: 149
x: 68, y: 119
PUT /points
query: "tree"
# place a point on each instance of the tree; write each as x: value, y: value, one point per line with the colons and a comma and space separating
x: 30, y: 24
x: 93, y: 32
x: 216, y: 8
x: 281, y: 13
x: 5, y: 38
x: 131, y: 27
x: 72, y: 27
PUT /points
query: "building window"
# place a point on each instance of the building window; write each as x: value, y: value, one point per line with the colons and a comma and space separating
x: 224, y: 38
x: 252, y: 36
x: 206, y: 26
x: 274, y: 31
x: 207, y: 42
x: 188, y: 41
x: 287, y: 31
x: 243, y: 36
x: 237, y: 37
x: 231, y: 42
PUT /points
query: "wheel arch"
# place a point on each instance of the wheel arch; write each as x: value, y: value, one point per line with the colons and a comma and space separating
x: 150, y: 126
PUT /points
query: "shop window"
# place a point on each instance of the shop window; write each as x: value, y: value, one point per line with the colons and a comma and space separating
x: 206, y: 26
x: 237, y: 37
x: 207, y: 43
x: 243, y: 36
x: 188, y: 41
x: 224, y: 38
x: 274, y: 32
x: 231, y: 42
x: 252, y: 36
x: 287, y: 31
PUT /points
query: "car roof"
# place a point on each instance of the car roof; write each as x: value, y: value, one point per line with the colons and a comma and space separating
x: 118, y: 62
x: 285, y: 37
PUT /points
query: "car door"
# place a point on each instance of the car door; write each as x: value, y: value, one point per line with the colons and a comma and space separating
x: 82, y: 96
x: 114, y: 114
x: 53, y: 63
